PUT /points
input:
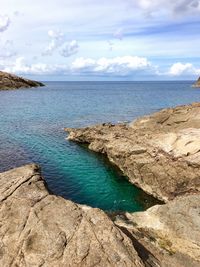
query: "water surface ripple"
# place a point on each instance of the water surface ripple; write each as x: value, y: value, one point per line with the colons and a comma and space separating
x: 31, y: 130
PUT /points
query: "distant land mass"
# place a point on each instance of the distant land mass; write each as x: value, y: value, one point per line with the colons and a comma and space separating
x: 10, y: 81
x: 197, y: 84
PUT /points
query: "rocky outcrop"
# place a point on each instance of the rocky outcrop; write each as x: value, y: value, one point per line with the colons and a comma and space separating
x: 39, y: 229
x: 167, y: 235
x: 197, y: 84
x: 11, y: 81
x: 159, y: 153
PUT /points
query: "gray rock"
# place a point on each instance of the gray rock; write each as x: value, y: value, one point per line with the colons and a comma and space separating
x: 39, y: 229
x: 170, y: 233
x: 159, y: 153
x: 10, y: 81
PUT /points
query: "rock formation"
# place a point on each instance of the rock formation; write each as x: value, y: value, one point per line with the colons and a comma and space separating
x: 167, y: 235
x: 11, y: 81
x: 159, y: 153
x: 197, y: 84
x: 39, y: 229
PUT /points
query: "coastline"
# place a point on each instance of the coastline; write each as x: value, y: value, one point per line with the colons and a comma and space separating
x: 158, y: 153
x: 10, y: 81
x: 42, y: 228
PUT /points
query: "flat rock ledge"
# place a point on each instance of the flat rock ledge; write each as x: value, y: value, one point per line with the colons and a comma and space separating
x: 10, y: 81
x: 159, y: 153
x: 38, y: 229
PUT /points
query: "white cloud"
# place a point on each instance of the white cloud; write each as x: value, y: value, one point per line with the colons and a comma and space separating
x: 124, y: 67
x: 178, y: 7
x: 119, y: 66
x: 57, y: 35
x: 178, y: 69
x: 69, y: 49
x: 83, y: 63
x: 4, y: 23
x: 19, y: 66
x: 57, y: 39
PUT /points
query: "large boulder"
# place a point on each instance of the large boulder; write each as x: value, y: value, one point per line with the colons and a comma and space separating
x: 40, y: 229
x: 11, y: 81
x: 159, y: 153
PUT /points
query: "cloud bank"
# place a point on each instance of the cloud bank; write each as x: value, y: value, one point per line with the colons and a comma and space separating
x: 118, y: 66
x: 125, y: 67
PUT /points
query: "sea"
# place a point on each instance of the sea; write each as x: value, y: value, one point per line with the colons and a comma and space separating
x: 32, y: 125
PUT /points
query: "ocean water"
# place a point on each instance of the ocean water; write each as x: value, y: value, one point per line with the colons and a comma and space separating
x: 31, y: 130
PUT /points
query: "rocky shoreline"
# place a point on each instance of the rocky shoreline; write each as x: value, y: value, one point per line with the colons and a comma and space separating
x: 10, y: 81
x: 41, y: 229
x: 159, y: 153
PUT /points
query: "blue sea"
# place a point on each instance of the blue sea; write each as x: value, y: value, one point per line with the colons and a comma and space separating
x: 31, y: 130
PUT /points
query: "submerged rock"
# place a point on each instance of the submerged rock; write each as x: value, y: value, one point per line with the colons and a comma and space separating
x: 159, y: 153
x: 197, y: 84
x: 11, y: 81
x: 39, y: 229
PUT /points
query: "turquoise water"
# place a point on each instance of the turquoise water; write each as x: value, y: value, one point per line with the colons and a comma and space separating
x: 31, y: 130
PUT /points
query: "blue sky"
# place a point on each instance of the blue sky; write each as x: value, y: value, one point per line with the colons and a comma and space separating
x: 101, y: 40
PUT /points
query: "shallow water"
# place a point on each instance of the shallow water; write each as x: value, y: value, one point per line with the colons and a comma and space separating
x: 31, y: 130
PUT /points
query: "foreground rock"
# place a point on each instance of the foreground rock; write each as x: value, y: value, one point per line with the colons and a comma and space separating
x: 39, y: 229
x: 197, y: 84
x: 159, y: 153
x: 167, y: 235
x: 11, y: 81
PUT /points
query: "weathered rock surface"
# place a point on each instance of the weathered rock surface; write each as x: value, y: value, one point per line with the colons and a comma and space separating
x: 197, y: 84
x: 39, y: 229
x: 159, y: 153
x: 11, y: 81
x: 168, y: 234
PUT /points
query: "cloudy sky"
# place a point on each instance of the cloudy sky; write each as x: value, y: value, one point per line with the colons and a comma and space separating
x: 101, y: 39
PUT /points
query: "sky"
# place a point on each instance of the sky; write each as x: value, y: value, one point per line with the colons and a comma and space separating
x: 101, y: 40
